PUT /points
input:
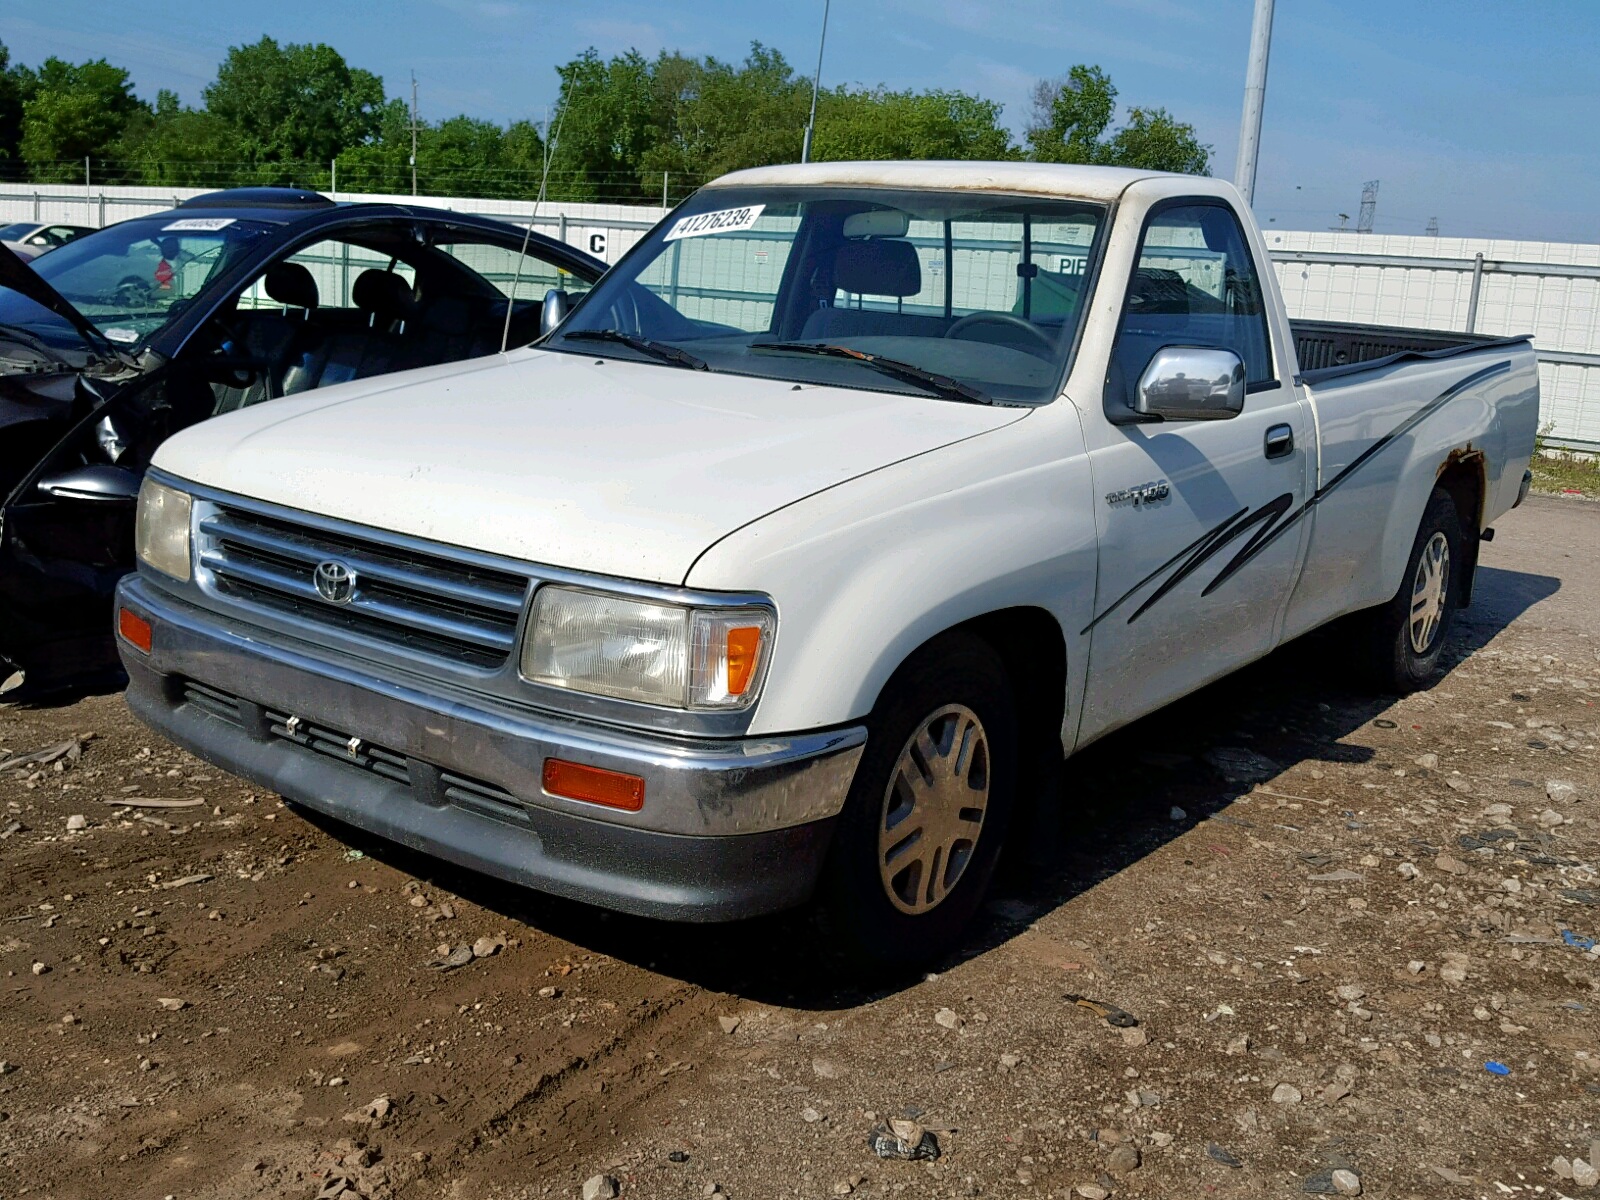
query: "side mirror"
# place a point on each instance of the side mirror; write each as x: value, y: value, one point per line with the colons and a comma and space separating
x: 1191, y: 383
x: 99, y: 483
x: 557, y: 304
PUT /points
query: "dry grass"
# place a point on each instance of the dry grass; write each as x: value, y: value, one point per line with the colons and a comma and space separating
x: 1556, y: 472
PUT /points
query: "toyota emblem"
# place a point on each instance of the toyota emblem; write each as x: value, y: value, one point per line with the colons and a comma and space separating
x: 336, y: 583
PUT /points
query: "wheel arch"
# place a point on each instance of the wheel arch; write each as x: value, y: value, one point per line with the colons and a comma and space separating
x: 1031, y: 645
x: 1463, y: 477
x: 1032, y: 648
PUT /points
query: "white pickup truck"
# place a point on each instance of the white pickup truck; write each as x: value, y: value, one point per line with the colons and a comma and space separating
x: 789, y: 563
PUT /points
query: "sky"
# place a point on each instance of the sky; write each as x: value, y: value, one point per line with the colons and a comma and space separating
x: 1484, y: 115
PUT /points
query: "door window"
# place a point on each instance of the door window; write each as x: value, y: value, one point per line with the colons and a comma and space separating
x: 335, y: 265
x: 512, y: 273
x: 1195, y: 284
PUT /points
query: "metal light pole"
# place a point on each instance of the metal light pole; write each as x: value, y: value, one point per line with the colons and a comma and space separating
x: 413, y: 133
x: 816, y: 80
x: 1255, y: 96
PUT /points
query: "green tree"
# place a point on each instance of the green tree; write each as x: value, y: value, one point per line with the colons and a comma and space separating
x: 604, y: 124
x: 459, y: 156
x: 1152, y: 139
x: 180, y: 147
x: 295, y: 104
x: 15, y: 85
x: 73, y: 111
x: 463, y: 156
x: 624, y: 123
x: 719, y: 117
x: 1071, y: 116
x: 879, y: 124
x: 524, y: 149
x: 381, y: 163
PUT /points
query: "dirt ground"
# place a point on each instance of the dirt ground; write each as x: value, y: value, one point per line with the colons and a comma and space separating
x: 1353, y: 934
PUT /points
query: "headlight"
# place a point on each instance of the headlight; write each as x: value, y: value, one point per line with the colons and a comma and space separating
x: 652, y: 653
x: 161, y: 535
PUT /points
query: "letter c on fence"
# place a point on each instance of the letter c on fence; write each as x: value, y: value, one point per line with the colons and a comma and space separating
x: 597, y: 243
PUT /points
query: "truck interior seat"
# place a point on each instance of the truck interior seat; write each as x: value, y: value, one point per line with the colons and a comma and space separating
x: 875, y: 267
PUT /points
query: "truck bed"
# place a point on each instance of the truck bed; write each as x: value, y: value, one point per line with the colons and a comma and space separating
x: 1329, y: 349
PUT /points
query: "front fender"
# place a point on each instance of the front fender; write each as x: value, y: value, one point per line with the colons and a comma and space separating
x: 866, y: 572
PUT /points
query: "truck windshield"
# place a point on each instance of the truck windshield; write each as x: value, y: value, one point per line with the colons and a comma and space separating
x: 956, y: 295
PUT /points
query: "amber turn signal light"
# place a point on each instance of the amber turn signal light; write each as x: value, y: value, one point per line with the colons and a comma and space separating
x: 135, y: 630
x: 744, y: 646
x: 574, y: 781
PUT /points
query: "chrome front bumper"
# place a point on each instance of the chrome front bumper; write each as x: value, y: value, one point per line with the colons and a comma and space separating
x: 728, y: 828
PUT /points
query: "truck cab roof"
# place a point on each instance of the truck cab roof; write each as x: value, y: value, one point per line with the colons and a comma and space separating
x: 1041, y: 179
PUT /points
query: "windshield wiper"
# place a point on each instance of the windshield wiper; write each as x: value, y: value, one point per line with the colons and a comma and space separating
x: 950, y: 389
x: 659, y: 350
x: 17, y: 333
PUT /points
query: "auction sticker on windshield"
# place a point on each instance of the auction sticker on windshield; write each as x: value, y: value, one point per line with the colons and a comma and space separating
x: 198, y: 225
x: 724, y: 220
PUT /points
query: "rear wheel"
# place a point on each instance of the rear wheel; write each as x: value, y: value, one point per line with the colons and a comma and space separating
x: 1406, y: 637
x: 917, y: 841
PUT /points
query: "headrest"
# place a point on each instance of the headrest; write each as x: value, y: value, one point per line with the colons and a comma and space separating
x: 384, y: 293
x: 877, y: 268
x: 292, y: 284
x: 1158, y: 290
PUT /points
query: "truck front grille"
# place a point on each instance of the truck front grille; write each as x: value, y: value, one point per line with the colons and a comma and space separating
x: 422, y: 601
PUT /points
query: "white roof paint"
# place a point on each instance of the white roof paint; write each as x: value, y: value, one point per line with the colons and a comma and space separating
x: 1044, y: 179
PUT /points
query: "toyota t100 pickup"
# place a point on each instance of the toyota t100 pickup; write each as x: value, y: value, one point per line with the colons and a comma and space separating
x: 790, y: 561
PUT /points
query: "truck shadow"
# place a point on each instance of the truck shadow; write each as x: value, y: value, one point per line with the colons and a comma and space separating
x: 1122, y: 799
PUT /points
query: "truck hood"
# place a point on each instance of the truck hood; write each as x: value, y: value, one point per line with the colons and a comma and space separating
x: 620, y: 468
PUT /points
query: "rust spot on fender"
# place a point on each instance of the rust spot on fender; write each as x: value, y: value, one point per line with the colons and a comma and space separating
x: 1468, y: 459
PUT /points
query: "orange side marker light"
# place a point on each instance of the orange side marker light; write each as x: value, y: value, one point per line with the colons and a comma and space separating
x: 135, y: 630
x: 594, y: 785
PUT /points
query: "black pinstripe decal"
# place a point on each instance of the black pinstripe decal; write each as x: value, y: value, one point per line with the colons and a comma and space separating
x: 1270, y: 516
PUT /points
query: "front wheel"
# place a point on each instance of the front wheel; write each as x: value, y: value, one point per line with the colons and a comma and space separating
x: 1405, y: 638
x: 927, y: 813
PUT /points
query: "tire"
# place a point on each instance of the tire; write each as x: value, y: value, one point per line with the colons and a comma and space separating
x: 1405, y: 638
x: 875, y: 921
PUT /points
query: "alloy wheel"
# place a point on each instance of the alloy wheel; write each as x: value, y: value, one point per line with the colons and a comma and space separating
x: 933, y: 809
x: 1428, y: 591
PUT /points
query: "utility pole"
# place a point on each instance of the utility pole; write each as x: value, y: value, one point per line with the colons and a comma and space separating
x: 1255, y: 99
x: 816, y: 82
x: 413, y: 133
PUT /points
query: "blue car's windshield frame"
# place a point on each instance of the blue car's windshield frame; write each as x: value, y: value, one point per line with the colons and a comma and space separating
x: 132, y: 279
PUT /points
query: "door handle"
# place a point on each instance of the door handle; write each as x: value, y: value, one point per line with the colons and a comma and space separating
x: 1279, y: 441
